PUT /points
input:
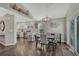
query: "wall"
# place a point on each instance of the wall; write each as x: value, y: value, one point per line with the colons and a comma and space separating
x: 9, y: 33
x: 2, y: 33
x: 10, y: 30
x: 59, y: 29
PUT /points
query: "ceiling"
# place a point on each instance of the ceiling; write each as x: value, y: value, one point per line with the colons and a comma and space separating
x: 41, y: 10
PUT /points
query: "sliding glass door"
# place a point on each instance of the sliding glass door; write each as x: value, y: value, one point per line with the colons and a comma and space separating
x: 72, y: 33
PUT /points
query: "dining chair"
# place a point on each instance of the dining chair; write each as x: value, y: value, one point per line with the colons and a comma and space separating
x: 25, y: 35
x: 36, y: 41
x: 51, y: 44
x: 57, y: 38
x: 43, y: 41
x: 18, y: 35
x: 29, y: 37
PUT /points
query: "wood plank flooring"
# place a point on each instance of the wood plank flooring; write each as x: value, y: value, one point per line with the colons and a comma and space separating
x: 25, y: 48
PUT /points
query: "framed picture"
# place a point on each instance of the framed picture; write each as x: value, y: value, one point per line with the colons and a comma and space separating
x: 2, y: 25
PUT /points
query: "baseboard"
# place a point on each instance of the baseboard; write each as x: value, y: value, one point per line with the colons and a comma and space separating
x: 9, y: 44
x: 2, y: 43
x: 62, y: 42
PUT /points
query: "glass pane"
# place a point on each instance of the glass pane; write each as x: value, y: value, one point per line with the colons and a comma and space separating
x: 72, y: 33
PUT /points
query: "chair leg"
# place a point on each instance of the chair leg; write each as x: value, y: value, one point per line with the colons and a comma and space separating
x: 42, y: 46
x: 36, y: 44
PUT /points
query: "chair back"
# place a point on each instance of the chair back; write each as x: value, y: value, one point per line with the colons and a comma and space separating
x: 57, y: 36
x: 36, y: 38
x: 43, y: 38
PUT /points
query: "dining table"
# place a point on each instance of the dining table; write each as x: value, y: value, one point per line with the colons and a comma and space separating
x: 49, y: 38
x: 52, y: 39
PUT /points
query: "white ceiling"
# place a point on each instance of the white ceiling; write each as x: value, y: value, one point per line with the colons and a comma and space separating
x: 58, y: 10
x: 40, y: 10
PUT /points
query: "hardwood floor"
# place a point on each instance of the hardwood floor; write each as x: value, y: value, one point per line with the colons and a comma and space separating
x: 25, y: 48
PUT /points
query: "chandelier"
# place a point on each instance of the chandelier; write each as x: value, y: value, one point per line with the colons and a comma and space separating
x: 50, y: 22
